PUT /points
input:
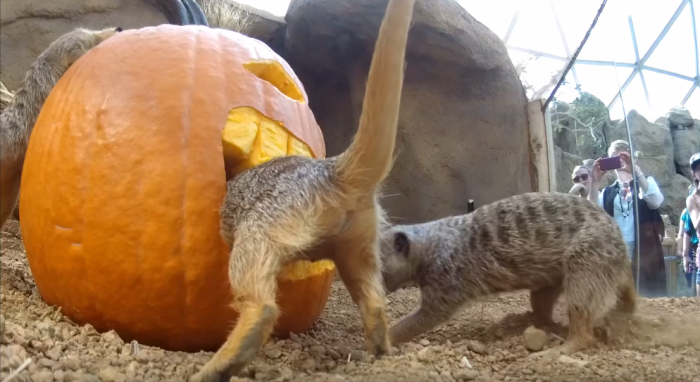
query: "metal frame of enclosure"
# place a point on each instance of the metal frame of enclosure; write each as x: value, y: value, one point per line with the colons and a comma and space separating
x: 639, y: 66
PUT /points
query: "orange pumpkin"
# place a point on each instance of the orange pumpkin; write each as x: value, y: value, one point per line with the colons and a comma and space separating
x: 125, y: 174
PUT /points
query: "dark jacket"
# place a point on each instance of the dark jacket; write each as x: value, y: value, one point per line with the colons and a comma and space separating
x: 652, y: 270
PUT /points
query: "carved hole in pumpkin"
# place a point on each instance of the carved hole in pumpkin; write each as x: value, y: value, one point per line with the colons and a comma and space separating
x: 250, y: 138
x: 274, y: 73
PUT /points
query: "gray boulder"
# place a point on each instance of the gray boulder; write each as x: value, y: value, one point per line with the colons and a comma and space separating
x: 652, y: 142
x: 686, y: 142
x: 674, y: 197
x: 463, y: 129
x: 679, y: 117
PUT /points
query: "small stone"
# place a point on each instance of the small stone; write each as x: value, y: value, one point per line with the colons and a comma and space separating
x: 465, y: 375
x: 317, y: 351
x: 273, y: 353
x: 425, y: 354
x: 72, y: 363
x: 58, y: 375
x: 55, y: 353
x: 477, y: 347
x: 309, y: 365
x: 111, y: 375
x: 42, y: 376
x: 47, y: 363
x: 70, y: 376
x: 572, y: 361
x: 89, y: 378
x: 425, y: 342
x: 333, y: 354
x: 534, y: 339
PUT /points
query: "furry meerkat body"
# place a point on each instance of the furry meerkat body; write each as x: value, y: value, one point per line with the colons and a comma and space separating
x: 301, y: 208
x: 548, y: 243
x: 18, y: 118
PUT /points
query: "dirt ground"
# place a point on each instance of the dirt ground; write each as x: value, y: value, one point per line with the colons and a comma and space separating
x: 485, y: 342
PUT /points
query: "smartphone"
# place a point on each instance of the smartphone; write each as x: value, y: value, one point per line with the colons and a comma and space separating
x: 610, y: 163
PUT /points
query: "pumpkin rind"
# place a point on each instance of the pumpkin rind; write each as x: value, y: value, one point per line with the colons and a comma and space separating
x: 124, y: 177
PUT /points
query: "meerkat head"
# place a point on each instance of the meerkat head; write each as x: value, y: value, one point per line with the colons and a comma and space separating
x: 398, y: 267
x: 74, y: 44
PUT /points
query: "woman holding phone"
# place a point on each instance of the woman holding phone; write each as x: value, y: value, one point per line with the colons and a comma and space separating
x: 616, y: 200
x: 581, y: 177
x: 692, y: 221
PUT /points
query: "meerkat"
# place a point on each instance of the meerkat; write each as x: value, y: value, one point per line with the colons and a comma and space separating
x: 548, y: 243
x: 295, y: 207
x: 18, y: 118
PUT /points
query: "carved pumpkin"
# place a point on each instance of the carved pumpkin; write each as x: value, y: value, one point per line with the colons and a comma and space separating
x: 125, y: 175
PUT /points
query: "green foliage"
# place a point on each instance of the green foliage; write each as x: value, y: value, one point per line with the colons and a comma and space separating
x: 586, y: 117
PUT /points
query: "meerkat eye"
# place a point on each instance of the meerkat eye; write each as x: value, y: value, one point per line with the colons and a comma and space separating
x: 401, y: 243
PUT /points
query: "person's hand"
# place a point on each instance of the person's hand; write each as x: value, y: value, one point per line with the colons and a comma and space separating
x: 597, y: 173
x: 576, y: 189
x: 687, y: 264
x: 626, y: 159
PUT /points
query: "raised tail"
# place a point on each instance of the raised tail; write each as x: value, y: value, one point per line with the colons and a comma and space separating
x: 365, y: 164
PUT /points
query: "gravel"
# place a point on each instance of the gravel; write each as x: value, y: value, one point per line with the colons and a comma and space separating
x: 488, y: 341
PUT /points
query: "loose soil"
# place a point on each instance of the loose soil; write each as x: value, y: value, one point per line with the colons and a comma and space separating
x: 485, y: 342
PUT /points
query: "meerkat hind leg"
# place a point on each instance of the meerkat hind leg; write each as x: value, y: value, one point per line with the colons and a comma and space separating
x: 358, y: 267
x: 542, y: 302
x: 253, y: 275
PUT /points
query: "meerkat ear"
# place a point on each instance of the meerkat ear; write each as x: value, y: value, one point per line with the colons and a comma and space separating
x: 401, y: 243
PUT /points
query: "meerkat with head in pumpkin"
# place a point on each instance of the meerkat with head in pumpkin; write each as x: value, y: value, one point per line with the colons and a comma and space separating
x: 17, y: 120
x: 290, y: 207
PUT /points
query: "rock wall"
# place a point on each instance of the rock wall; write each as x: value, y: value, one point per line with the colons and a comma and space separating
x: 463, y: 129
x: 663, y: 149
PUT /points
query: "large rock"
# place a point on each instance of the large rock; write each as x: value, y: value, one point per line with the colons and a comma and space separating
x: 679, y: 117
x: 686, y: 142
x: 674, y: 197
x: 654, y: 144
x: 463, y: 129
x: 29, y: 26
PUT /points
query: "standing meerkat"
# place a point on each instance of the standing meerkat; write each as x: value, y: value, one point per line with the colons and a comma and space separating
x: 293, y: 207
x: 548, y: 243
x: 18, y: 118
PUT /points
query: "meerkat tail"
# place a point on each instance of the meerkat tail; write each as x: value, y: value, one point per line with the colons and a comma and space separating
x: 368, y: 159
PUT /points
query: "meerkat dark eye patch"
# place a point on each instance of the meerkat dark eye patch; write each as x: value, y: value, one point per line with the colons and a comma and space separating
x: 401, y: 243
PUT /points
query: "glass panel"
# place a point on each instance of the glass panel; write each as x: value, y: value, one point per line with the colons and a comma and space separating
x: 495, y: 15
x: 575, y: 17
x: 611, y: 38
x: 600, y: 80
x: 650, y: 17
x: 635, y: 98
x: 676, y: 52
x: 537, y: 30
x: 664, y: 91
x: 693, y: 103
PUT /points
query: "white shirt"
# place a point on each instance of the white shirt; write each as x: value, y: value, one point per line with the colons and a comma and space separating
x: 622, y: 208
